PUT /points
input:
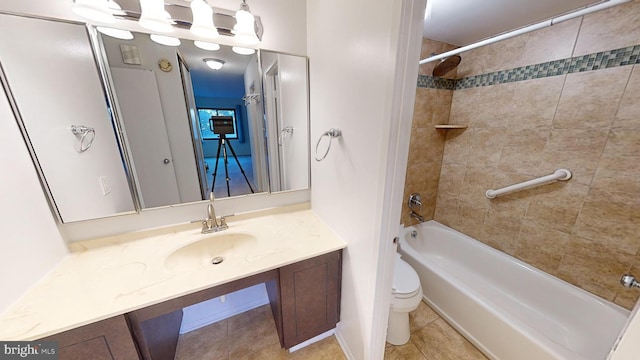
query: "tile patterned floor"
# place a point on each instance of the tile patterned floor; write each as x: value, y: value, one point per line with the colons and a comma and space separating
x: 249, y: 336
x: 432, y: 339
x: 252, y: 336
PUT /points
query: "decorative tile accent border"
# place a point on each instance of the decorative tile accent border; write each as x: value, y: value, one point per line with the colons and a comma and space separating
x: 432, y: 82
x: 601, y: 60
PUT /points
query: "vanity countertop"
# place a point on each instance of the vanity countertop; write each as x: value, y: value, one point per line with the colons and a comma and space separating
x: 105, y: 277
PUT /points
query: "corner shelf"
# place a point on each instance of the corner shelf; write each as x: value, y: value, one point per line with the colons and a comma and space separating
x: 449, y: 127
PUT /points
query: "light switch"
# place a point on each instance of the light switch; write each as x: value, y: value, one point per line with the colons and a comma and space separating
x: 104, y: 185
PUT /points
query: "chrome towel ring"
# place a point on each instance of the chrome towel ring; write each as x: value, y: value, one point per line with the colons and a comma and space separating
x: 332, y: 134
x: 81, y: 132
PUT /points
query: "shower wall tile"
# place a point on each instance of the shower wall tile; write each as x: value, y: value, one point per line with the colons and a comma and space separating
x: 593, y: 267
x: 426, y: 147
x: 593, y: 109
x: 469, y: 219
x: 612, y: 219
x: 619, y: 174
x: 556, y: 205
x: 551, y: 43
x: 616, y: 27
x: 541, y: 246
x: 629, y: 110
x: 487, y: 59
x: 548, y: 107
x: 536, y: 102
x: 446, y: 208
x: 501, y: 231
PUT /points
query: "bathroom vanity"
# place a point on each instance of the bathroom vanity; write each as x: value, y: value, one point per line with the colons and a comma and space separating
x: 122, y: 297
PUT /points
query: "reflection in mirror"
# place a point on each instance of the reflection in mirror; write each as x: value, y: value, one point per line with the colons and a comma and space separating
x: 287, y: 118
x: 191, y: 129
x: 82, y: 172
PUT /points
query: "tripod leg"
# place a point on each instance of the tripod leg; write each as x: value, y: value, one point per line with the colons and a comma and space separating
x: 240, y: 166
x: 215, y: 169
x: 226, y: 163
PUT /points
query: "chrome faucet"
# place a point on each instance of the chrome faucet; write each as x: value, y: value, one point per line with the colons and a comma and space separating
x: 415, y: 200
x: 210, y: 224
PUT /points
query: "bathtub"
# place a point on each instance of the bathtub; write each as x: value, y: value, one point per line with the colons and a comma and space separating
x: 506, y: 308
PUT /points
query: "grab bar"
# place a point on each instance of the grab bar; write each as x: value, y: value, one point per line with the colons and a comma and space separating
x: 560, y: 174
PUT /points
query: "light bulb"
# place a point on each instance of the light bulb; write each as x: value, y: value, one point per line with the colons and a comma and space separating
x: 206, y: 45
x: 214, y: 64
x: 244, y: 29
x: 115, y: 33
x: 202, y: 24
x: 165, y: 40
x: 154, y: 17
x: 243, y: 50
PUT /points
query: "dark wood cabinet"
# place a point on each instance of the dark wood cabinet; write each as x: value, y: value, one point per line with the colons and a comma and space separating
x: 108, y: 339
x: 310, y: 297
x: 304, y: 297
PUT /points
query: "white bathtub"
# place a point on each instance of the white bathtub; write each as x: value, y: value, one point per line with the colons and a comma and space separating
x: 508, y: 309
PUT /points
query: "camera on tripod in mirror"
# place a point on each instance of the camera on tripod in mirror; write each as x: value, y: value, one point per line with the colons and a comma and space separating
x: 221, y: 125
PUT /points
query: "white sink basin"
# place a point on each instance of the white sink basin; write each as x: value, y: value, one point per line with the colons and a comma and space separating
x: 203, y: 252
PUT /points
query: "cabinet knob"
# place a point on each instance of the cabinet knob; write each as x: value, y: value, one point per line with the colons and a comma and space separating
x: 166, y: 161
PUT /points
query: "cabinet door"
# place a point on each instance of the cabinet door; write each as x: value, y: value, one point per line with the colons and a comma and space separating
x: 310, y: 297
x: 109, y: 339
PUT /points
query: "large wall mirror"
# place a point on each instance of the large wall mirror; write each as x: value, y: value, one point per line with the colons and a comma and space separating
x: 161, y: 125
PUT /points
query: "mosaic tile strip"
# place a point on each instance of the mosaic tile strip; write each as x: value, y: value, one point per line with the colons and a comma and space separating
x: 601, y: 60
x: 432, y: 82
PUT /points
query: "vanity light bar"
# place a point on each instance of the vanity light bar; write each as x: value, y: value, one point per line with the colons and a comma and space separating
x: 219, y: 18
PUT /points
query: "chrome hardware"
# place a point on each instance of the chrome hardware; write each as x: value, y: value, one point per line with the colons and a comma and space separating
x: 414, y: 234
x: 217, y: 260
x: 415, y: 200
x: 629, y: 281
x: 210, y: 224
x: 166, y: 161
x: 331, y: 134
x: 81, y: 132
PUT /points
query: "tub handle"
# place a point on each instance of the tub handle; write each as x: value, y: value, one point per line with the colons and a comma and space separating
x: 629, y: 281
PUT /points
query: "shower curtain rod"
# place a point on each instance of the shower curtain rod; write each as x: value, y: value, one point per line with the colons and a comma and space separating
x: 526, y: 29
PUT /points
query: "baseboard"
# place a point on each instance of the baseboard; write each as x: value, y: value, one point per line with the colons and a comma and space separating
x: 343, y: 344
x: 221, y: 315
x: 314, y: 339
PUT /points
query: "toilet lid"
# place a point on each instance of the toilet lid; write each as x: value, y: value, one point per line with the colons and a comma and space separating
x: 405, y: 278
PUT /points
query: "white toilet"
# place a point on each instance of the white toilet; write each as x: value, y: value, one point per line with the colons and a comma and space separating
x: 405, y: 297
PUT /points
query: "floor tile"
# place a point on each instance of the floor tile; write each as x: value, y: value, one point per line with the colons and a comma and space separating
x: 439, y: 341
x: 209, y: 342
x: 407, y: 351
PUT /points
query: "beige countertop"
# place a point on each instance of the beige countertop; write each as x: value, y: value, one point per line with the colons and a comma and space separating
x: 110, y: 276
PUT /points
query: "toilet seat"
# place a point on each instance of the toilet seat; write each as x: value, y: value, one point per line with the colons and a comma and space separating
x: 406, y: 282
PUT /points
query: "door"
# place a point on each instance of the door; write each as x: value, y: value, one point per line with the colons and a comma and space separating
x: 194, y: 123
x: 144, y: 124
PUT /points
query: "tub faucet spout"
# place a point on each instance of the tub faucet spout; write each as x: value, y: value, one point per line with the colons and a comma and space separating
x: 416, y: 216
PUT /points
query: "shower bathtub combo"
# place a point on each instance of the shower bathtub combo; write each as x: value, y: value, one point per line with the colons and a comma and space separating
x: 508, y: 309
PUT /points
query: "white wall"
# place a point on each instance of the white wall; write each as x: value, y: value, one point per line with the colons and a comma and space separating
x: 31, y: 243
x: 357, y: 85
x: 59, y: 60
